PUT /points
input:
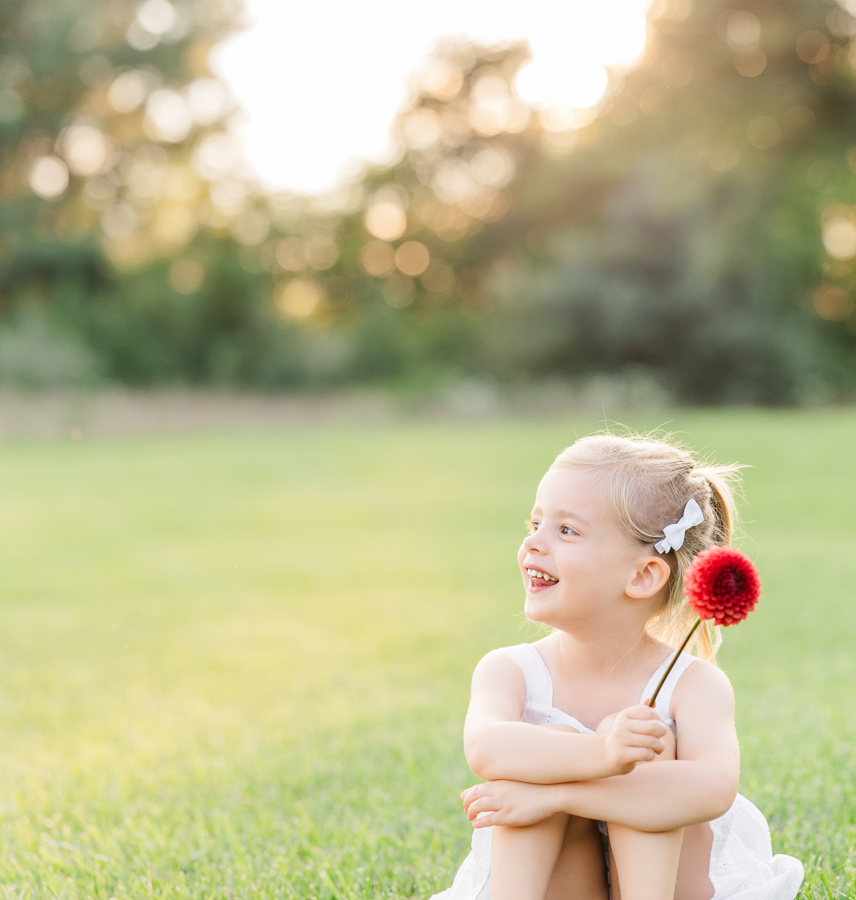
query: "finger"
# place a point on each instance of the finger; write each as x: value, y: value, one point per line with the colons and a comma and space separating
x: 647, y: 742
x: 471, y: 791
x: 483, y: 804
x: 641, y: 712
x: 633, y: 755
x: 655, y: 729
x: 486, y: 821
x: 643, y: 741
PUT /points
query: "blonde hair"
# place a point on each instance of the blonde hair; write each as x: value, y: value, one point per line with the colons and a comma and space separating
x: 649, y: 480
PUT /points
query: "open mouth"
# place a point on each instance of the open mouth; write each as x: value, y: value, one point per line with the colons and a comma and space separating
x: 539, y: 579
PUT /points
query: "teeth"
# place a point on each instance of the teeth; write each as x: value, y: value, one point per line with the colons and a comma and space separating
x: 537, y: 573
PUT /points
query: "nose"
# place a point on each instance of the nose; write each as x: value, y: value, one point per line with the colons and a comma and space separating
x: 533, y: 543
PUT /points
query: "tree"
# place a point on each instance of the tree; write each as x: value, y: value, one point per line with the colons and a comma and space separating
x: 697, y: 227
x: 678, y: 233
x: 122, y: 196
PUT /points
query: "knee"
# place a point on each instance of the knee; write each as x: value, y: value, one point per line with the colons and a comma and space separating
x: 552, y: 824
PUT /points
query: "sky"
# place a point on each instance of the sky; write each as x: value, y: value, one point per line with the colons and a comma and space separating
x: 318, y: 84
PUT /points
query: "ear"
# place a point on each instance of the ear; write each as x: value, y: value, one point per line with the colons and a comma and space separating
x: 649, y: 578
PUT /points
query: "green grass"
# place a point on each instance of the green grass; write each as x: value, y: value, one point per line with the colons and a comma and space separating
x: 237, y: 666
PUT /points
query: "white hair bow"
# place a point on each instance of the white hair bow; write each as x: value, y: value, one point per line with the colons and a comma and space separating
x: 674, y: 534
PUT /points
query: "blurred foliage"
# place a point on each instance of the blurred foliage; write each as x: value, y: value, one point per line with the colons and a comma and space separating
x: 696, y: 230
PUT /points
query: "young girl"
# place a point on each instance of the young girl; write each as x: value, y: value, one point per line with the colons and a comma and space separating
x: 589, y: 793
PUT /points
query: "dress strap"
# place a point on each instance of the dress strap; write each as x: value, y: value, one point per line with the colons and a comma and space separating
x: 539, y: 684
x: 664, y: 698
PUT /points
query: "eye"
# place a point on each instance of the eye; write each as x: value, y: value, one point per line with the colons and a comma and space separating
x: 532, y: 526
x: 566, y: 529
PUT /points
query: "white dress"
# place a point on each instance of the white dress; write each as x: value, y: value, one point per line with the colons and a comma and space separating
x: 742, y: 865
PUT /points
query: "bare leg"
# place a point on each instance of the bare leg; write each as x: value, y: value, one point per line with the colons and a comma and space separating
x: 522, y: 859
x: 694, y: 868
x: 644, y: 865
x: 560, y: 858
x: 692, y: 880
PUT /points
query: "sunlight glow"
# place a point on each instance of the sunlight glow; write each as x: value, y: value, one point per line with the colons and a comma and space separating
x: 320, y: 84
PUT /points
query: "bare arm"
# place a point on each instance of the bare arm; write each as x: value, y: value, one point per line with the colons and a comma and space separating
x: 499, y: 746
x: 698, y: 786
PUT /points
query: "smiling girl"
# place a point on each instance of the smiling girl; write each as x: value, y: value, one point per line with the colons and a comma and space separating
x: 588, y: 792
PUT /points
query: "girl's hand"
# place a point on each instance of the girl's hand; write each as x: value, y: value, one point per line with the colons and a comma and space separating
x: 633, y: 736
x: 509, y: 803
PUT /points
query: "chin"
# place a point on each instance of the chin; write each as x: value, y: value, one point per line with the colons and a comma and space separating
x: 536, y: 612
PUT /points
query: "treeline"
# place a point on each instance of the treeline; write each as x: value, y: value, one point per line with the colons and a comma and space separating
x: 697, y: 230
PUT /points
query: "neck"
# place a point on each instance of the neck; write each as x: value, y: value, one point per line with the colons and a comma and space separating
x: 607, y: 652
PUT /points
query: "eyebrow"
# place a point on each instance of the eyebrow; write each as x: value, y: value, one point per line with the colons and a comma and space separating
x: 567, y: 514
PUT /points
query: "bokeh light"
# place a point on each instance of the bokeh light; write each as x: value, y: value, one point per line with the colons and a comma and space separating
x: 441, y: 80
x: 832, y: 302
x: 378, y: 259
x: 839, y: 237
x: 742, y: 30
x: 207, y: 100
x: 216, y: 156
x: 128, y: 90
x: 157, y: 16
x: 290, y: 254
x: 156, y: 20
x: 412, y: 258
x: 167, y: 116
x: 86, y: 148
x: 385, y: 217
x: 422, y: 128
x: 492, y: 166
x: 812, y: 47
x: 48, y: 177
x: 299, y: 298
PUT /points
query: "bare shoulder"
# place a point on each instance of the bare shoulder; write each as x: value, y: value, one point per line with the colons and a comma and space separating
x: 501, y: 665
x: 497, y: 664
x: 498, y: 681
x: 706, y: 683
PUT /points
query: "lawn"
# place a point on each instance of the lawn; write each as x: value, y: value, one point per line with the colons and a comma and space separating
x: 237, y: 665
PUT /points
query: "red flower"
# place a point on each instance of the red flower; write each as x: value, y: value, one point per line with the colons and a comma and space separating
x: 723, y: 585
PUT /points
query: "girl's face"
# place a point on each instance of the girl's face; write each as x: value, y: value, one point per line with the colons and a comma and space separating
x: 577, y: 561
